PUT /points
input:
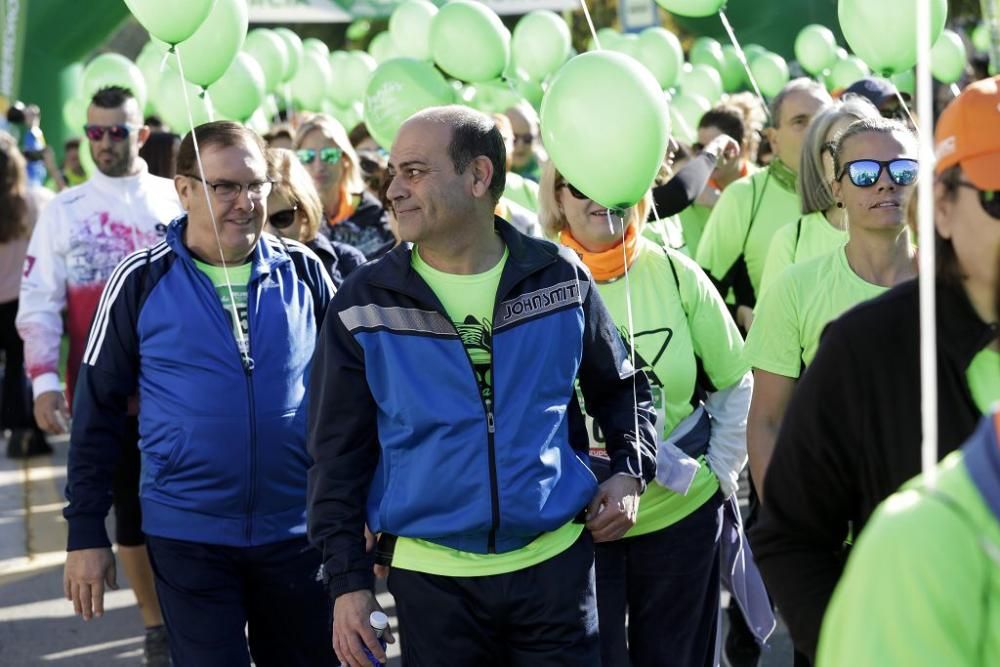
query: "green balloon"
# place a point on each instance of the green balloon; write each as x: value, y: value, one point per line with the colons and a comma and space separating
x: 629, y: 45
x: 948, y: 57
x: 692, y: 7
x: 75, y: 114
x: 317, y: 45
x: 170, y: 104
x: 981, y: 37
x: 706, y: 51
x: 701, y: 80
x: 660, y: 51
x: 358, y: 30
x: 530, y: 90
x: 609, y: 38
x: 847, y: 71
x: 293, y: 43
x: 609, y: 145
x: 171, y: 22
x: 382, y: 48
x: 398, y: 89
x: 883, y: 34
x: 271, y: 54
x: 905, y: 82
x: 151, y: 61
x: 816, y: 48
x: 240, y: 90
x: 410, y: 28
x: 753, y: 51
x: 540, y: 44
x: 113, y: 69
x: 348, y: 115
x: 208, y: 53
x: 686, y: 111
x: 841, y: 54
x: 351, y: 73
x: 734, y: 76
x: 491, y: 96
x: 258, y: 122
x: 771, y: 73
x: 311, y: 83
x: 469, y: 41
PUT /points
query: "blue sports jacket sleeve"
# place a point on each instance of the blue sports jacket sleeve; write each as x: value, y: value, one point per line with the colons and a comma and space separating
x: 345, y: 452
x: 606, y: 380
x: 108, y: 376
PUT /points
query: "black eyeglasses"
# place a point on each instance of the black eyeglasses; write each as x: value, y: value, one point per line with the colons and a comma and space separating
x: 573, y: 191
x: 865, y: 173
x: 116, y: 132
x: 283, y: 219
x: 988, y: 199
x: 228, y: 191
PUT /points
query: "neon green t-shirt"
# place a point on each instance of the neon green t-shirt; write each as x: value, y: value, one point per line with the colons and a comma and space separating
x: 809, y: 236
x: 469, y: 302
x: 673, y: 330
x: 791, y: 315
x: 733, y: 220
x: 921, y: 586
x: 983, y: 376
x: 522, y: 190
x: 239, y: 277
x: 667, y: 233
x: 693, y: 220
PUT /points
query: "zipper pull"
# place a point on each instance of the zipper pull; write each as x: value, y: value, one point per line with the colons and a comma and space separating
x: 490, y: 425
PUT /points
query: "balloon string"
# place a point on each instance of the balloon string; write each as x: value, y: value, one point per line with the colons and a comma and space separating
x: 743, y: 60
x: 955, y: 90
x: 590, y: 22
x: 927, y: 260
x: 163, y: 60
x: 631, y: 343
x: 906, y: 109
x: 244, y: 348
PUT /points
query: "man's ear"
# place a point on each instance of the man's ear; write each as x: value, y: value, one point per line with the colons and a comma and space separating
x: 183, y: 186
x: 481, y: 169
x: 144, y: 133
x: 772, y: 138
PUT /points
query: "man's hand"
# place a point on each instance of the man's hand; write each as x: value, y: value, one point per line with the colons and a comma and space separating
x: 352, y: 630
x: 87, y: 572
x: 51, y: 413
x: 614, y: 508
x: 723, y: 147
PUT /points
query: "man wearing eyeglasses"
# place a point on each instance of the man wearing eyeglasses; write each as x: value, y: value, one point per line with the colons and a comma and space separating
x: 215, y: 328
x: 77, y: 243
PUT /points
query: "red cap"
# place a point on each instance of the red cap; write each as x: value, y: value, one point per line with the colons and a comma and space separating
x: 968, y: 134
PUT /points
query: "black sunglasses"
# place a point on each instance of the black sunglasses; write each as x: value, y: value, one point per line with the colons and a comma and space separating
x: 865, y: 173
x: 283, y: 219
x: 573, y: 191
x: 988, y: 199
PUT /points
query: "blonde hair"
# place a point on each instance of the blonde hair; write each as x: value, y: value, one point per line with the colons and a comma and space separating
x: 552, y: 218
x: 292, y: 181
x: 331, y: 128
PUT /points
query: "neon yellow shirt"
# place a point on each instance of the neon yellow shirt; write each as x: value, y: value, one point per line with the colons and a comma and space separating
x: 674, y: 329
x: 239, y: 277
x: 522, y: 190
x: 693, y: 220
x: 809, y: 236
x: 791, y: 315
x: 983, y: 376
x: 667, y: 233
x: 469, y: 302
x: 733, y: 220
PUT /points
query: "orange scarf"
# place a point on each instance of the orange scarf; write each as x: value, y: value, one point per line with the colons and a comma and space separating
x: 346, y: 207
x: 744, y: 170
x: 607, y: 265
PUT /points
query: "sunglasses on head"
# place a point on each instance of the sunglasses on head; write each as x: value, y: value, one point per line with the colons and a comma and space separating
x: 283, y: 219
x: 116, y: 132
x: 988, y: 199
x: 865, y: 173
x: 573, y: 191
x: 329, y: 155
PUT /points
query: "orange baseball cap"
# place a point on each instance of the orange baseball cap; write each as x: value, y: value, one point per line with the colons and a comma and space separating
x: 968, y: 134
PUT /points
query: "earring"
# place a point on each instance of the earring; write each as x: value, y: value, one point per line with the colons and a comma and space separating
x: 840, y: 204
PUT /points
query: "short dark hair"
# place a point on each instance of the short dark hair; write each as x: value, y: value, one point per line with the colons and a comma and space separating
x: 727, y: 119
x: 111, y: 97
x: 72, y: 143
x: 474, y: 134
x: 218, y: 133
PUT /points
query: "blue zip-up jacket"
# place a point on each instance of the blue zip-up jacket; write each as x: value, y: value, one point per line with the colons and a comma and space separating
x: 222, y: 438
x: 403, y: 439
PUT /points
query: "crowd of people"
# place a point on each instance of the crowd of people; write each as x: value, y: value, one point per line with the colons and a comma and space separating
x: 300, y: 361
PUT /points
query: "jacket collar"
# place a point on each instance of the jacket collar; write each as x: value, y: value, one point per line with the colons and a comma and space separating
x: 268, y: 254
x: 525, y: 256
x: 982, y: 461
x: 118, y: 185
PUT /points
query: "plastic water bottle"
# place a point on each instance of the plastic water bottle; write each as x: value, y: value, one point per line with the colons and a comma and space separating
x: 379, y: 622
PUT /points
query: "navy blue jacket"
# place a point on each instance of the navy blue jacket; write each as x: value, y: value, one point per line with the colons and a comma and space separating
x: 222, y: 438
x: 403, y: 439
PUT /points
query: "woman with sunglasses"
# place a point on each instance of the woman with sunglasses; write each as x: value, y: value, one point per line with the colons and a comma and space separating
x: 875, y: 171
x: 353, y: 216
x: 665, y: 572
x: 852, y: 433
x: 822, y: 227
x: 294, y: 211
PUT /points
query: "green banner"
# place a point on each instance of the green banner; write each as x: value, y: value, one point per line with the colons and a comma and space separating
x: 12, y: 22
